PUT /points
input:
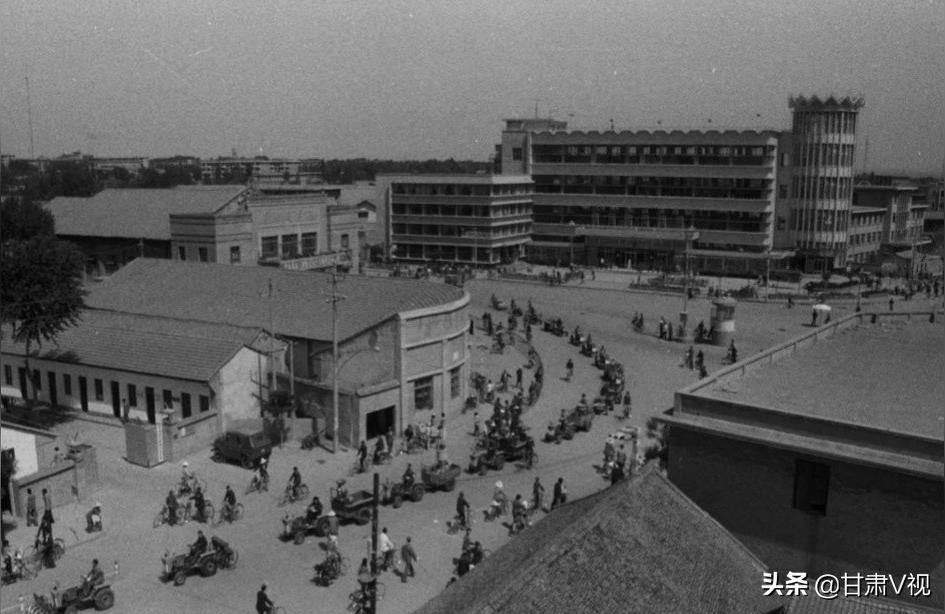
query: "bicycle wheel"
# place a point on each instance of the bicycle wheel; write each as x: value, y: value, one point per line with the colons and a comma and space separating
x: 303, y: 492
x: 284, y: 499
x: 59, y: 547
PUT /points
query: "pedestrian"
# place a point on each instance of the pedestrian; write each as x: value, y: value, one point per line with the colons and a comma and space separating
x: 621, y: 460
x: 477, y: 425
x: 472, y: 326
x: 409, y: 555
x: 386, y: 546
x: 626, y: 403
x: 570, y: 368
x: 616, y: 474
x: 538, y: 493
x: 518, y: 378
x: 462, y: 510
x: 362, y: 455
x: 690, y: 357
x: 125, y: 410
x: 700, y: 360
x: 390, y: 440
x: 47, y: 505
x: 890, y: 303
x: 490, y: 391
x: 332, y: 530
x: 31, y: 518
x: 559, y: 494
x: 264, y: 605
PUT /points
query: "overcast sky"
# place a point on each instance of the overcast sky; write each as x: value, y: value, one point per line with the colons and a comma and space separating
x: 382, y: 78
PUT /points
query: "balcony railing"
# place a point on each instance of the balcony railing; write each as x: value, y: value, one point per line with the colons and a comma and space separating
x: 316, y: 261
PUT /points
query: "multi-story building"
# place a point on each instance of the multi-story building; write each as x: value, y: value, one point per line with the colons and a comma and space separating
x: 903, y: 220
x: 261, y: 169
x: 821, y: 147
x: 632, y: 198
x: 735, y: 201
x: 866, y: 233
x: 482, y: 220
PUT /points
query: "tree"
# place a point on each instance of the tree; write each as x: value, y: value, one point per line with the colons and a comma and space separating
x: 21, y: 218
x: 40, y: 289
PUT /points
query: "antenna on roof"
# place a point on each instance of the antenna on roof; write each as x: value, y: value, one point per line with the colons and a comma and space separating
x: 537, y: 100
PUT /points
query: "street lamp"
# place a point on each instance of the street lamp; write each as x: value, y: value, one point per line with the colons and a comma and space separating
x: 691, y: 235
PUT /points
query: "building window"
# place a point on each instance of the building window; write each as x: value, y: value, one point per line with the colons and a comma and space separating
x: 99, y: 390
x: 132, y: 395
x: 181, y: 252
x: 204, y: 403
x: 234, y: 254
x: 309, y: 243
x: 270, y: 247
x: 454, y: 382
x: 782, y: 191
x: 290, y: 246
x: 185, y: 405
x: 8, y: 375
x: 67, y: 384
x: 345, y: 244
x: 168, y: 399
x: 202, y: 254
x: 37, y: 380
x: 423, y: 393
x: 516, y: 153
x: 811, y: 486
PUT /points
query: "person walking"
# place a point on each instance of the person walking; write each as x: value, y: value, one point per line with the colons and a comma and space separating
x: 518, y: 378
x: 409, y: 555
x: 387, y: 549
x: 31, y: 518
x: 362, y: 455
x: 47, y: 506
x: 559, y: 494
x: 538, y: 493
x: 569, y: 366
x: 462, y: 510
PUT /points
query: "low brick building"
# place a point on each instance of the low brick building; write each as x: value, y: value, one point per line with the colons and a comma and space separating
x: 825, y: 454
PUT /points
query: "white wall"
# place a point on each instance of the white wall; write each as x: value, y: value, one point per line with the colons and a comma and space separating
x: 24, y: 446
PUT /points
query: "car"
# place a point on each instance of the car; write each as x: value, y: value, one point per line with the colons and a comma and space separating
x: 246, y: 449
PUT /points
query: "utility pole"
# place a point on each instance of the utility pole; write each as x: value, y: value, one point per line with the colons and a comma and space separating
x: 374, y: 511
x: 335, y: 297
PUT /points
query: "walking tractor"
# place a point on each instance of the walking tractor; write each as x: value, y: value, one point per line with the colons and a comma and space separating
x: 218, y: 556
x: 354, y: 506
x: 440, y: 477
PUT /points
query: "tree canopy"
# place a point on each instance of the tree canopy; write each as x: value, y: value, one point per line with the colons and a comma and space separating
x: 21, y: 218
x: 41, y: 290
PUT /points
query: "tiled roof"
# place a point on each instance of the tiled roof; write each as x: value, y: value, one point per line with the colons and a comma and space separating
x: 238, y: 295
x: 641, y: 546
x: 136, y: 213
x: 143, y: 344
x: 813, y: 604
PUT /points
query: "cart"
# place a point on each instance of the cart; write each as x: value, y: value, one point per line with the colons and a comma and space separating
x: 440, y: 478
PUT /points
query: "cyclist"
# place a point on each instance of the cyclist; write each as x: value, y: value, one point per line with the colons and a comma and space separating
x: 295, y: 480
x: 229, y: 502
x: 262, y: 474
x: 264, y: 604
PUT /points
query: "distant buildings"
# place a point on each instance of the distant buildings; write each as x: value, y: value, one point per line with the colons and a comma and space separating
x: 261, y: 169
x: 824, y: 454
x: 748, y: 200
x: 479, y: 220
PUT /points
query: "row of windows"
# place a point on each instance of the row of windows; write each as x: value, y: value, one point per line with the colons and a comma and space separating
x: 866, y: 237
x: 735, y: 221
x: 476, y: 211
x: 620, y: 153
x: 98, y: 391
x: 874, y: 219
x: 289, y: 245
x: 425, y: 189
x: 685, y: 187
x: 824, y: 122
x: 804, y: 186
x: 423, y: 389
x: 819, y: 220
x: 436, y: 230
x: 203, y: 254
x: 823, y: 154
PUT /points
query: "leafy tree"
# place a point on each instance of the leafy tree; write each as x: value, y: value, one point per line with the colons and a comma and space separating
x: 40, y: 289
x: 21, y: 218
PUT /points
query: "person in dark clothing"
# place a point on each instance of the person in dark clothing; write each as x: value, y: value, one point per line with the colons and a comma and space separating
x: 362, y: 455
x: 199, y: 546
x: 462, y: 509
x: 171, y: 503
x: 200, y: 504
x: 264, y: 604
x: 559, y: 495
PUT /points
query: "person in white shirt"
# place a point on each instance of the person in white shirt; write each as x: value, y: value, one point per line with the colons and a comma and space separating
x: 387, y: 549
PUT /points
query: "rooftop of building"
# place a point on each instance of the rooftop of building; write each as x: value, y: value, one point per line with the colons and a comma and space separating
x: 137, y: 213
x: 851, y: 102
x: 238, y: 295
x: 639, y: 546
x: 180, y: 349
x: 659, y: 136
x: 458, y: 178
x: 886, y: 375
x: 814, y: 604
x: 898, y: 187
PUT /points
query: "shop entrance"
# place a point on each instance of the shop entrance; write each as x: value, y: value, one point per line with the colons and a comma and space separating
x: 379, y: 422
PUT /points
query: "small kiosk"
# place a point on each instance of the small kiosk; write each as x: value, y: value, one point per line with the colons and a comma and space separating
x: 722, y: 320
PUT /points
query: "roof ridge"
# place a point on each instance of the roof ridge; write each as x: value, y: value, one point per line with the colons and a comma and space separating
x: 210, y: 323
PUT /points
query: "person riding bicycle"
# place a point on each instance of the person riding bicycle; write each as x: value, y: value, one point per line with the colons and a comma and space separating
x: 187, y: 478
x: 264, y: 604
x: 261, y: 478
x: 313, y: 511
x: 92, y: 579
x: 229, y: 502
x: 409, y: 478
x: 295, y: 481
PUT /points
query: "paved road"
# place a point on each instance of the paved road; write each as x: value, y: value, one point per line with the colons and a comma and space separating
x: 133, y: 495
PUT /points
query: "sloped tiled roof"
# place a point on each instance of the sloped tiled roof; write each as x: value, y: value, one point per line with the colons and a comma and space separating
x: 813, y: 604
x: 641, y: 546
x: 136, y: 213
x: 144, y: 344
x: 238, y: 295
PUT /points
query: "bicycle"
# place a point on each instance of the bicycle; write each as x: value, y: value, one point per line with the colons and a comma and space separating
x: 164, y: 515
x: 257, y: 484
x: 359, y: 601
x: 34, y: 556
x: 291, y: 497
x: 229, y: 514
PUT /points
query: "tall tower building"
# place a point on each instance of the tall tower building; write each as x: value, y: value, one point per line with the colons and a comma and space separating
x: 821, y: 193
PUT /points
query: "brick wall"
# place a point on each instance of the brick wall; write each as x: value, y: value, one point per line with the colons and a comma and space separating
x: 876, y: 521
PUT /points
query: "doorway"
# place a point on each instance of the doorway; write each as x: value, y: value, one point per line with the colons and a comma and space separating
x: 149, y: 403
x: 53, y: 392
x: 84, y: 393
x: 116, y: 399
x: 379, y: 422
